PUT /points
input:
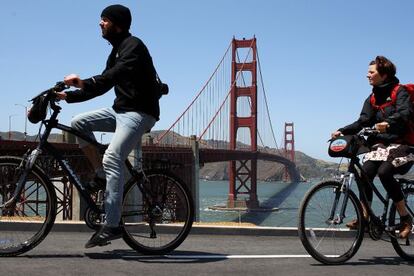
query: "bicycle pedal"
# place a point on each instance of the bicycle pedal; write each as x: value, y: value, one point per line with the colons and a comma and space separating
x: 391, y: 228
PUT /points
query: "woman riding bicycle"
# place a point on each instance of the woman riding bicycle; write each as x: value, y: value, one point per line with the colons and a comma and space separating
x: 390, y: 153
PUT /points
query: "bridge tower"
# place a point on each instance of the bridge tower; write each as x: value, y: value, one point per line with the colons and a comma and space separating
x: 289, y: 146
x: 243, y: 174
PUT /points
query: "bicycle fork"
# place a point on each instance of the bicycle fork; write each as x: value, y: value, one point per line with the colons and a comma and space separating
x: 27, y: 164
x: 334, y: 217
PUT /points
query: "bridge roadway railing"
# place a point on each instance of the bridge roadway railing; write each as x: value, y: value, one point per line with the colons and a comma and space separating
x: 66, y: 200
x: 185, y: 163
x: 69, y: 205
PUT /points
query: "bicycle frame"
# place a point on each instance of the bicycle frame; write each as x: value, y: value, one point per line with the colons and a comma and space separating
x: 44, y: 145
x: 73, y: 178
x: 346, y: 185
x: 154, y: 198
x: 332, y: 218
x: 359, y: 177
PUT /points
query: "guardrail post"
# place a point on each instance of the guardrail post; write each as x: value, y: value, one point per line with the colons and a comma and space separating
x: 195, y: 176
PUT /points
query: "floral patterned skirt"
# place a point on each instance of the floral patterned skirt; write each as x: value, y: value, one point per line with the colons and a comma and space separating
x: 395, y: 153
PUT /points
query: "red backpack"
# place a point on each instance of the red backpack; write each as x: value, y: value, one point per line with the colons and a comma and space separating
x: 409, y: 136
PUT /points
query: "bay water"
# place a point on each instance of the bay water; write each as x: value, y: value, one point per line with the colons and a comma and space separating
x: 285, y: 197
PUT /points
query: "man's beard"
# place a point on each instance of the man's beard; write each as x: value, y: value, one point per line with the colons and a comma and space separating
x: 109, y: 33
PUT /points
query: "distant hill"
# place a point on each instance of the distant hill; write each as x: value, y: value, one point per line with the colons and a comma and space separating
x: 266, y: 171
x: 19, y: 136
x: 270, y: 171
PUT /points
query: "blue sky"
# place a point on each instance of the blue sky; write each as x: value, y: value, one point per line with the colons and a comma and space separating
x: 314, y: 54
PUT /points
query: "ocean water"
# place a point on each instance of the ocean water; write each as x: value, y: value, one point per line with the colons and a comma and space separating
x: 284, y: 196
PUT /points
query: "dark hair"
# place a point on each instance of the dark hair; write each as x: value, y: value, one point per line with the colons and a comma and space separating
x: 384, y: 66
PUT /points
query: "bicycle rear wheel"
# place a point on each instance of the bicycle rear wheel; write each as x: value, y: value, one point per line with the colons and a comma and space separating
x: 323, y: 236
x: 404, y: 248
x: 158, y: 222
x: 25, y: 223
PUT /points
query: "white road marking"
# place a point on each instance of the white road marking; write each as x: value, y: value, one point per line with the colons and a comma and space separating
x: 234, y: 256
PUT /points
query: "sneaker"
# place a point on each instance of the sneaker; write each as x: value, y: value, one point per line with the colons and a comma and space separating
x: 95, y: 185
x: 104, y: 235
x: 405, y: 227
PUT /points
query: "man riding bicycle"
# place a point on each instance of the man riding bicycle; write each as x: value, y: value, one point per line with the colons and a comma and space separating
x: 130, y: 70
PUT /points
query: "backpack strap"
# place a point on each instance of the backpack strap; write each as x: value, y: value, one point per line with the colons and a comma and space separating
x: 393, y: 97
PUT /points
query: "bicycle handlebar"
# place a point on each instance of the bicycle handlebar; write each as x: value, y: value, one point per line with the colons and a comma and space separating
x: 367, y: 131
x: 59, y: 86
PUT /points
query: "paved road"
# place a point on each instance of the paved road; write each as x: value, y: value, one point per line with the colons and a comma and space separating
x: 62, y: 253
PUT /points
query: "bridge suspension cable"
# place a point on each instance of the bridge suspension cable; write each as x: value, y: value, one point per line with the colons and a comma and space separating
x: 195, y: 115
x: 269, y: 120
x: 207, y: 115
x: 208, y: 127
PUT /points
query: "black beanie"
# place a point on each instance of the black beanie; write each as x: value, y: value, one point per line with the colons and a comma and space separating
x: 119, y: 15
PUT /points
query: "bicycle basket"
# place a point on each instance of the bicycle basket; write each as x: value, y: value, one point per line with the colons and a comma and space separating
x: 38, y: 110
x: 343, y: 146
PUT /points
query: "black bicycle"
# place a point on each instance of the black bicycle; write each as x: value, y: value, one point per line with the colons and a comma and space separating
x: 330, y: 205
x: 157, y: 212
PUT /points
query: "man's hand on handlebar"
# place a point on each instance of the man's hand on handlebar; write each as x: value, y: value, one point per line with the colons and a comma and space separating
x: 61, y: 95
x: 73, y: 80
x: 70, y: 80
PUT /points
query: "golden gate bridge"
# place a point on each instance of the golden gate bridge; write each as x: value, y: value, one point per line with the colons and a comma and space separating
x: 223, y: 119
x: 227, y: 121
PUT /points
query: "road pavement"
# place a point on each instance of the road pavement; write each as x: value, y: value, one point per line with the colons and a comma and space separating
x: 63, y: 253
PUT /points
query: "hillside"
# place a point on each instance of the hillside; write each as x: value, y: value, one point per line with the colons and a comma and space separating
x: 266, y: 171
x: 271, y: 171
x: 19, y: 136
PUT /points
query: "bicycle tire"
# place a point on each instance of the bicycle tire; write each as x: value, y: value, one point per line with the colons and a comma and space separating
x: 25, y: 224
x: 324, y: 239
x: 404, y: 248
x: 172, y: 214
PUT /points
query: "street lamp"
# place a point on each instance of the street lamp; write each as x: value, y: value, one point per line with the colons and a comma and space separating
x: 102, y: 134
x: 25, y: 121
x: 10, y: 116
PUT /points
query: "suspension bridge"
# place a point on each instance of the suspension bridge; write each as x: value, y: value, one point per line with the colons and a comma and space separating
x: 223, y: 123
x: 227, y: 121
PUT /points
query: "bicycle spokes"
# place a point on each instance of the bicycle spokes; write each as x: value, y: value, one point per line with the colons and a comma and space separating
x: 32, y: 207
x: 157, y: 214
x: 322, y: 224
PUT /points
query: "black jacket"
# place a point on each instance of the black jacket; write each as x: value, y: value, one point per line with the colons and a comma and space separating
x: 130, y: 70
x: 397, y: 116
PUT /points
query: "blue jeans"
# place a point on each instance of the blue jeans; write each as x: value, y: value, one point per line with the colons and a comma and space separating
x: 128, y: 128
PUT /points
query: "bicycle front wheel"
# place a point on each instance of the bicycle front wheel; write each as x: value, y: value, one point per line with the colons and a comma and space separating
x: 404, y: 248
x: 159, y: 218
x: 323, y: 234
x: 26, y: 222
